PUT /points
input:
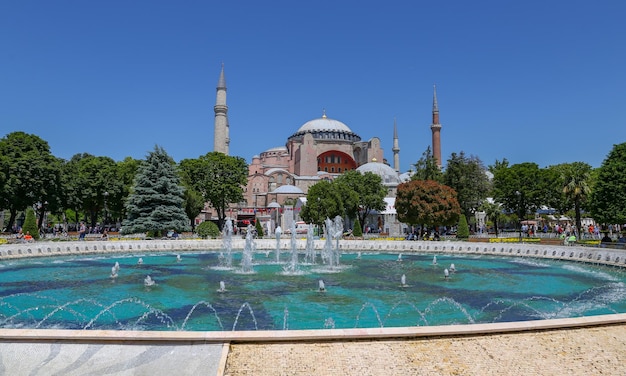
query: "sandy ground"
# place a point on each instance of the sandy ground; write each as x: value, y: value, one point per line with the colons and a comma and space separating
x: 583, y: 351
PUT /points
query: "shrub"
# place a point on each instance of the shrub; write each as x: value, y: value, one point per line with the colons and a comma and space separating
x: 30, y: 224
x: 357, y: 230
x: 259, y: 228
x: 208, y: 229
x: 462, y: 231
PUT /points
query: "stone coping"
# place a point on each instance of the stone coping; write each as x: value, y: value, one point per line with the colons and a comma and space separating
x: 113, y: 336
x: 607, y: 256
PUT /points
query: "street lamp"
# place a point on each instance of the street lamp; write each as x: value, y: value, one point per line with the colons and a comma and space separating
x: 106, y: 195
x: 519, y: 212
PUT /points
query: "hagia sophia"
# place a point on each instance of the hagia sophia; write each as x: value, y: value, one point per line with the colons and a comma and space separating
x: 320, y: 149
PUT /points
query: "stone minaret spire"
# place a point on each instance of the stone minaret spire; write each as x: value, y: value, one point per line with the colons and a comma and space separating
x: 435, y: 127
x: 221, y: 139
x: 395, y: 148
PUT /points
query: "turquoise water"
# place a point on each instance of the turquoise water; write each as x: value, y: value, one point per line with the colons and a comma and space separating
x: 78, y: 292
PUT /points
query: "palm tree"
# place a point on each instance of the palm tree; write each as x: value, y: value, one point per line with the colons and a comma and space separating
x: 576, y: 186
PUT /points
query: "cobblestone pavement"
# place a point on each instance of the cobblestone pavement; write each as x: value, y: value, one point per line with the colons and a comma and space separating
x: 583, y: 351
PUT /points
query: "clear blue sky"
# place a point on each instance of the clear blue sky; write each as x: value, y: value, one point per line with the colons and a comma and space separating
x: 539, y: 81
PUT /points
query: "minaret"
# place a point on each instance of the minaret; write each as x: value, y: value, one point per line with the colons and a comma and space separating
x: 395, y: 148
x: 220, y: 130
x: 435, y: 127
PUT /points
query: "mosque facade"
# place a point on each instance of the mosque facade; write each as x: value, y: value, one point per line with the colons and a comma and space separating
x: 320, y: 149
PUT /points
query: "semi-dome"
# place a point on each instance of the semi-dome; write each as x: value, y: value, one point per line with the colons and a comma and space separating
x: 326, y: 128
x: 287, y: 189
x: 388, y: 175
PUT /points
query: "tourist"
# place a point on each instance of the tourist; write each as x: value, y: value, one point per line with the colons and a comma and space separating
x: 19, y: 235
x: 105, y: 234
x: 81, y: 231
x: 606, y: 238
x: 28, y: 237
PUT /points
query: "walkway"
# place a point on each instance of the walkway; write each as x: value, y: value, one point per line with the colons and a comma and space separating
x: 584, y: 351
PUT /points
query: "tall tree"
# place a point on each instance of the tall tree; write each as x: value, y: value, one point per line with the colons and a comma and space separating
x: 426, y: 168
x: 156, y: 203
x: 363, y: 193
x: 576, y: 178
x: 94, y: 181
x: 193, y: 205
x: 608, y: 201
x: 323, y: 200
x: 520, y: 188
x: 30, y: 172
x: 427, y: 202
x: 467, y: 176
x: 219, y: 178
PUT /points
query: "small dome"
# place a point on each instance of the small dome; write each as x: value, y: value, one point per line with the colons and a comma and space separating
x: 276, y: 148
x: 288, y: 189
x: 388, y: 175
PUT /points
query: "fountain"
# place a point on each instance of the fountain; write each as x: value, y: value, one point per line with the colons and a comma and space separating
x: 446, y: 273
x: 292, y: 266
x: 113, y: 272
x: 148, y: 281
x: 309, y: 253
x: 452, y: 268
x: 279, y: 232
x: 222, y: 287
x: 399, y: 256
x: 227, y: 260
x: 178, y: 259
x: 321, y: 286
x: 140, y: 261
x: 333, y: 230
x: 434, y: 260
x: 248, y: 251
x: 69, y: 291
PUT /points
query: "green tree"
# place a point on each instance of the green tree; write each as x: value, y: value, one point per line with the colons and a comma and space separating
x: 426, y: 168
x: 156, y: 203
x: 361, y: 193
x: 576, y: 187
x: 94, y: 180
x: 219, y: 178
x: 427, y: 202
x: 520, y: 188
x: 208, y: 229
x: 358, y: 228
x: 323, y: 201
x: 30, y: 174
x: 493, y: 210
x: 462, y: 231
x: 126, y: 172
x: 30, y: 224
x: 193, y: 205
x: 608, y: 201
x: 259, y: 228
x: 467, y: 176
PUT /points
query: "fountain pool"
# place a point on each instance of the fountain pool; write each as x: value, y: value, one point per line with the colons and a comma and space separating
x: 364, y: 290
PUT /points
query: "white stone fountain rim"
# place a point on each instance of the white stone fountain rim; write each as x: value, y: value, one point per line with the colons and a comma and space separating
x: 607, y: 256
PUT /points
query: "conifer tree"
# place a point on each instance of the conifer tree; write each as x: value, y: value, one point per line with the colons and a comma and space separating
x: 156, y: 202
x: 462, y: 231
x: 30, y: 224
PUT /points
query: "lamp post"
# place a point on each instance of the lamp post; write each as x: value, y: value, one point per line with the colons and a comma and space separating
x: 519, y: 213
x: 104, y: 220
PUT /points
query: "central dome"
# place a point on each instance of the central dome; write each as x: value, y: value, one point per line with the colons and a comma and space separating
x: 324, y: 124
x: 326, y: 128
